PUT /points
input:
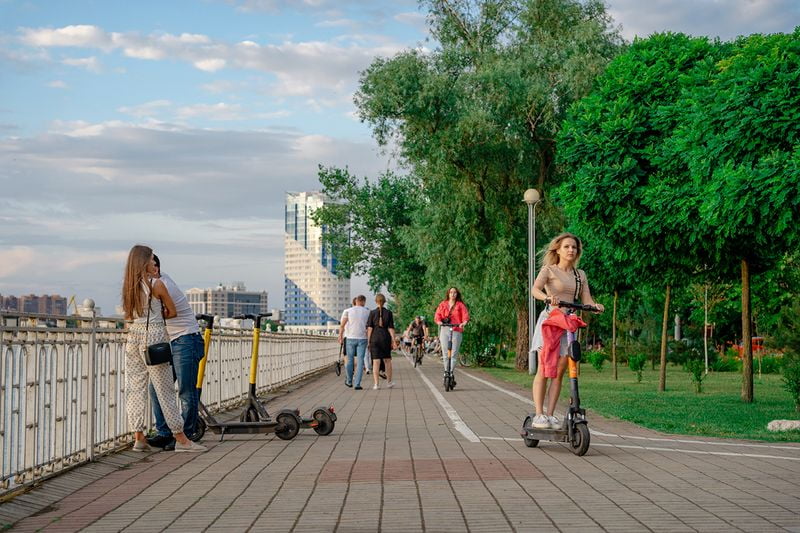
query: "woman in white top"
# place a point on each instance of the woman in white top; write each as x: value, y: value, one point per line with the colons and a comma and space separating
x: 147, y: 303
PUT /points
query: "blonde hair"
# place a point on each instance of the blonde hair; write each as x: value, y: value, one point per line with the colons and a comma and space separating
x: 133, y: 298
x: 551, y: 254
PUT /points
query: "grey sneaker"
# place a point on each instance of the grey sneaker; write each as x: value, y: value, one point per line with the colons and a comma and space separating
x: 191, y: 447
x: 141, y: 446
x: 541, y: 422
x: 390, y: 384
x: 555, y: 422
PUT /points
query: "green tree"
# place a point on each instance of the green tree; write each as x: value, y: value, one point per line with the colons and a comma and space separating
x: 475, y: 123
x: 740, y: 138
x: 610, y: 148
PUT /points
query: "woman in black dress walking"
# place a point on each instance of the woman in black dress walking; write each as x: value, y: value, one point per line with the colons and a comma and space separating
x: 380, y: 338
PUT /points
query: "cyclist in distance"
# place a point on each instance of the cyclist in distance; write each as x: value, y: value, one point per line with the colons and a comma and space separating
x: 418, y: 332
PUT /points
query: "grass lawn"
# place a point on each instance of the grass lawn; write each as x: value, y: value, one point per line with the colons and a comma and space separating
x: 716, y: 412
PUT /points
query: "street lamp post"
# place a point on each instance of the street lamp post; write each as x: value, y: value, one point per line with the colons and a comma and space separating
x: 532, y: 198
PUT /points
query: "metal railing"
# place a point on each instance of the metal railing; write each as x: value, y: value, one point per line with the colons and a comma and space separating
x: 55, y: 370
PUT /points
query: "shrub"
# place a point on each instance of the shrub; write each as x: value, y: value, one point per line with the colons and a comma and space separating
x: 726, y: 364
x: 680, y: 352
x: 596, y: 358
x: 697, y: 370
x: 791, y: 377
x: 636, y: 363
x: 770, y: 364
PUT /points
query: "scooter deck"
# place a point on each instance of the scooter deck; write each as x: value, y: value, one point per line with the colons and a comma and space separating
x: 243, y: 427
x: 554, y: 435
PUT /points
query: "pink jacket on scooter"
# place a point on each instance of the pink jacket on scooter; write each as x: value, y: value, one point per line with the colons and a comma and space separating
x: 556, y: 325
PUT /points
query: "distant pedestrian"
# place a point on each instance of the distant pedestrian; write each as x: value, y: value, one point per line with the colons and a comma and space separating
x: 380, y: 332
x: 353, y: 327
x: 187, y: 351
x: 451, y: 310
x: 143, y: 300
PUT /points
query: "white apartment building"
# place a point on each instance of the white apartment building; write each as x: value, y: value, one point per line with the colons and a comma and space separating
x: 314, y: 295
x: 227, y: 301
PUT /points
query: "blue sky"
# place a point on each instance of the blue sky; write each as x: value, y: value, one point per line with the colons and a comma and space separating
x: 181, y: 124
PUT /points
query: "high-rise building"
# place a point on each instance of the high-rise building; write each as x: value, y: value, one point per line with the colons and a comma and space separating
x: 33, y: 303
x: 227, y: 301
x: 313, y: 294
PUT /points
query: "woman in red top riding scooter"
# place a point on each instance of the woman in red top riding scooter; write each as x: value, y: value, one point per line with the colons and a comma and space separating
x: 559, y: 280
x: 453, y: 311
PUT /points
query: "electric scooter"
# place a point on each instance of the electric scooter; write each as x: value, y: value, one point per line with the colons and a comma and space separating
x: 449, y: 379
x: 254, y: 417
x: 576, y: 430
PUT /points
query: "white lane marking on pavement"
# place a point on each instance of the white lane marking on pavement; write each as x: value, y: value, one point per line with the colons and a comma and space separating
x: 458, y: 422
x: 655, y: 439
x: 677, y: 450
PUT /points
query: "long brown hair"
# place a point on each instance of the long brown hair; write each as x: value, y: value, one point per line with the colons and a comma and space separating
x: 458, y: 294
x: 551, y: 255
x: 380, y: 299
x: 133, y: 298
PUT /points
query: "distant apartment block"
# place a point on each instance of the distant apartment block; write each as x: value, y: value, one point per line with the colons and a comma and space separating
x: 226, y: 301
x: 32, y: 303
x: 313, y: 294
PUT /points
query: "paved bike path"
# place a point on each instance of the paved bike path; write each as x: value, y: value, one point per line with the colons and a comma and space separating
x: 414, y: 458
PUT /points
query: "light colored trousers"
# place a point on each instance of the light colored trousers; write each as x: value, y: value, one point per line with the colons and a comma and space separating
x: 137, y: 374
x: 444, y: 337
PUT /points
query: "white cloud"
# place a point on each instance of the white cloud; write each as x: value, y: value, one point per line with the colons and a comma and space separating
x: 301, y: 68
x: 89, y: 63
x: 338, y: 23
x: 218, y: 111
x: 413, y: 19
x: 57, y: 84
x: 148, y: 109
x: 726, y: 19
x: 16, y: 259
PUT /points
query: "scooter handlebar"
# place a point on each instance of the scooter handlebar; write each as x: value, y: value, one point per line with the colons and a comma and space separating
x: 252, y: 316
x: 579, y: 307
x: 208, y: 319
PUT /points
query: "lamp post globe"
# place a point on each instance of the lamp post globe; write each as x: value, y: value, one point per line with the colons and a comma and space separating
x: 531, y: 196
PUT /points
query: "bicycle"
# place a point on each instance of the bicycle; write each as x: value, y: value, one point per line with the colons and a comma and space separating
x: 418, y: 350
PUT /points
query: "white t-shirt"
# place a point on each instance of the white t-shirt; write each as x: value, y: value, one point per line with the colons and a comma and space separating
x: 356, y: 327
x: 185, y: 323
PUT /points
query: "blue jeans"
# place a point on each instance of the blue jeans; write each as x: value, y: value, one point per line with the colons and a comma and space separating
x: 187, y: 351
x: 356, y: 348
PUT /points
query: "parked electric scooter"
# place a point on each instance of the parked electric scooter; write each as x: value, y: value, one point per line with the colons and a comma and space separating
x: 576, y: 430
x: 254, y: 417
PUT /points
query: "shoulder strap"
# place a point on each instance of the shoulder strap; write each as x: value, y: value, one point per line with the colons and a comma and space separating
x: 577, y: 284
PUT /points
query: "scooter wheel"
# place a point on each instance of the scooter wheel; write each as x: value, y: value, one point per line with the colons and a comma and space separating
x: 529, y: 442
x: 325, y: 423
x: 338, y: 368
x: 289, y: 426
x: 199, y: 430
x: 580, y: 440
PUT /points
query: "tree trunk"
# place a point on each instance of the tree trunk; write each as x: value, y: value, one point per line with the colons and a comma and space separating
x: 523, y: 342
x: 662, y: 372
x: 614, y: 336
x: 747, y: 334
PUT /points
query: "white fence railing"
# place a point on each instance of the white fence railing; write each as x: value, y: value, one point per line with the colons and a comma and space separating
x: 55, y: 370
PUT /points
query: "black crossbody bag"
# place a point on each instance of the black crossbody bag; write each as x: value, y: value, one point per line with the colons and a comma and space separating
x: 159, y: 353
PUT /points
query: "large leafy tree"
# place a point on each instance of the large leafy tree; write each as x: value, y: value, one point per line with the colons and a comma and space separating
x: 475, y: 123
x: 610, y: 148
x: 740, y: 138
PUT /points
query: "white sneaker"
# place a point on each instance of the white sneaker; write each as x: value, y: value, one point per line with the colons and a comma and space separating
x: 191, y: 447
x: 375, y: 387
x: 555, y: 423
x: 390, y: 384
x: 541, y: 422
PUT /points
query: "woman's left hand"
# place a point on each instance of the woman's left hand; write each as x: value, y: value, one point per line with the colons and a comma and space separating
x: 600, y: 307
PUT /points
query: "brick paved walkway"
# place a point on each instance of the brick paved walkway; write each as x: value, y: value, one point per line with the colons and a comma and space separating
x: 399, y: 460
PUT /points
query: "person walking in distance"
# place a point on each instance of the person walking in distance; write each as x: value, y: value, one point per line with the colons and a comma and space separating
x: 559, y: 280
x: 144, y: 300
x: 353, y: 327
x: 454, y: 311
x: 187, y: 351
x: 381, y: 339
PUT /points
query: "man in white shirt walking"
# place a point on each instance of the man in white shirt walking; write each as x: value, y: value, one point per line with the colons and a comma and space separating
x: 187, y: 351
x: 353, y: 327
